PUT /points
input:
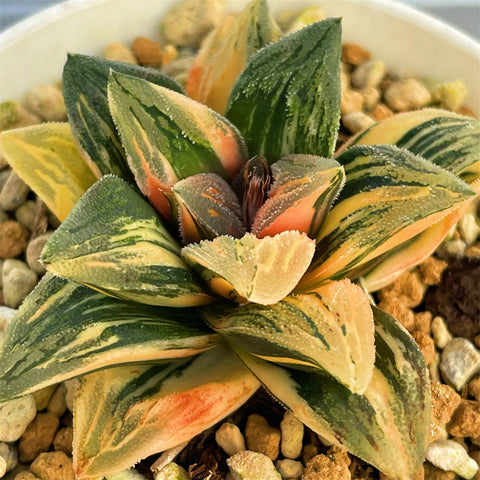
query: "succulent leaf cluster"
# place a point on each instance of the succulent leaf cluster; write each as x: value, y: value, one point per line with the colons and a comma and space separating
x: 208, y: 248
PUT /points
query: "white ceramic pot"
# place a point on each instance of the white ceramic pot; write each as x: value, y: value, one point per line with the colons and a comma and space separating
x: 33, y: 52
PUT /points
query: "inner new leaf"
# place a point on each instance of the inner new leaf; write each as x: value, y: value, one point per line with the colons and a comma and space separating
x: 114, y: 242
x: 251, y: 269
x: 287, y: 100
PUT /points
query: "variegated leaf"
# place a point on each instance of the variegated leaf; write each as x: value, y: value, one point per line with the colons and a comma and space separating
x: 302, y: 193
x: 388, y: 425
x: 169, y: 137
x: 330, y: 329
x: 287, y: 100
x: 225, y: 53
x: 389, y: 197
x: 114, y: 242
x: 207, y: 208
x: 128, y: 413
x: 251, y: 269
x: 84, y: 82
x: 47, y: 159
x: 447, y: 139
x: 64, y: 330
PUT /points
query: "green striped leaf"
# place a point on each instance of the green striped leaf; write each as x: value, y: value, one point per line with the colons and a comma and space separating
x: 447, y: 139
x: 251, y: 269
x: 128, y: 413
x: 169, y: 137
x: 389, y: 197
x: 113, y: 241
x: 207, y: 208
x: 85, y: 80
x: 388, y: 425
x: 329, y: 330
x: 226, y: 51
x: 47, y: 159
x: 302, y: 193
x: 64, y: 330
x: 287, y: 100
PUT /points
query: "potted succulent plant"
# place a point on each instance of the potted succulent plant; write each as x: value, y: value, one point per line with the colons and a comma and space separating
x: 208, y: 247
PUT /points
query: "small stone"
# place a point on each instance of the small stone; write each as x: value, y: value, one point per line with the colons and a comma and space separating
x: 322, y: 467
x: 14, y: 192
x: 53, y: 465
x: 13, y: 239
x: 434, y: 368
x: 292, y: 436
x: 441, y: 333
x: 58, y: 404
x: 15, y: 416
x: 449, y: 455
x: 18, y: 281
x: 368, y: 74
x: 431, y: 269
x: 26, y: 214
x: 434, y: 473
x: 147, y: 51
x: 465, y: 421
x: 179, y: 68
x: 371, y: 96
x: 47, y: 102
x: 399, y: 311
x: 426, y: 345
x: 350, y: 102
x: 423, y: 322
x: 474, y: 388
x: 9, y: 453
x: 451, y: 95
x: 3, y: 466
x: 357, y: 121
x: 380, y: 112
x: 71, y: 386
x: 261, y: 437
x: 309, y: 451
x: 354, y: 54
x: 230, y: 439
x: 407, y: 94
x: 248, y: 465
x: 289, y: 469
x: 460, y: 362
x: 38, y: 436
x: 444, y: 401
x: 132, y: 474
x: 34, y: 249
x: 119, y: 52
x: 170, y: 52
x: 172, y: 471
x: 6, y: 315
x: 407, y: 288
x: 26, y: 476
x: 63, y: 440
x: 42, y: 397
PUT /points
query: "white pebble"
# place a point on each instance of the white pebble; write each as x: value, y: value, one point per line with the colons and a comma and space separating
x: 357, y: 121
x: 15, y: 416
x: 292, y: 436
x: 10, y: 454
x: 450, y: 455
x: 248, y: 465
x: 407, y: 94
x: 128, y: 474
x: 18, y: 281
x: 289, y: 469
x: 460, y: 362
x: 6, y: 315
x: 3, y: 466
x: 440, y: 332
x: 230, y: 438
x: 369, y: 74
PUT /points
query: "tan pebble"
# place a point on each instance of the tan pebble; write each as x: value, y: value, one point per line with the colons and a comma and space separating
x: 147, y: 51
x: 380, y: 112
x: 465, y: 421
x: 426, y: 344
x: 371, y: 96
x: 119, y: 52
x: 326, y: 467
x: 26, y: 476
x: 434, y: 368
x: 444, y: 401
x: 26, y: 214
x: 466, y: 111
x: 58, y: 403
x: 475, y: 440
x: 230, y: 439
x: 38, y: 436
x: 473, y: 251
x: 289, y: 469
x: 18, y: 281
x: 407, y: 288
x: 308, y: 452
x: 357, y: 121
x: 14, y: 192
x: 431, y: 269
x: 351, y: 101
x: 399, y: 311
x: 13, y: 239
x: 53, y: 465
x: 474, y: 388
x: 170, y: 52
x: 292, y: 436
x: 423, y: 322
x: 261, y: 437
x: 433, y: 473
x: 42, y: 397
x: 63, y: 440
x: 47, y: 102
x: 407, y: 94
x: 368, y: 74
x: 440, y: 332
x: 354, y: 54
x: 34, y: 250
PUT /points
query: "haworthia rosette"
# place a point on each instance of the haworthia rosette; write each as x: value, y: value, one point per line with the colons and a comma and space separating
x: 287, y: 100
x: 113, y: 241
x: 387, y: 426
x: 168, y: 137
x: 64, y: 330
x: 47, y: 159
x: 330, y: 329
x: 84, y: 83
x: 117, y: 410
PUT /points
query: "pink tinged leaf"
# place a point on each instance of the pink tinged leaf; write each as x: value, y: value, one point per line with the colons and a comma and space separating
x: 207, y: 208
x: 303, y: 190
